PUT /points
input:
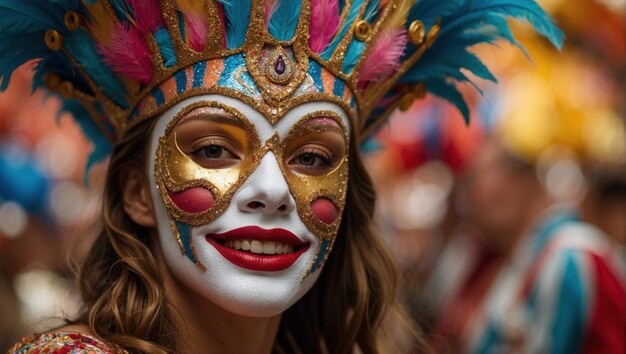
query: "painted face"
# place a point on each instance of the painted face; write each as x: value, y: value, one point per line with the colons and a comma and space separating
x: 248, y: 211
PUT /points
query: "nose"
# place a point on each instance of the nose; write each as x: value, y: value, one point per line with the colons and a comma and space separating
x: 266, y: 190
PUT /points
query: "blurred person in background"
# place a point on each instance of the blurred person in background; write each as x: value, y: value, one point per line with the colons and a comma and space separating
x: 417, y: 171
x: 553, y: 285
x: 605, y: 207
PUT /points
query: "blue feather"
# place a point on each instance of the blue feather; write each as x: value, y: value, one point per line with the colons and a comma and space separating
x: 284, y: 21
x: 353, y: 54
x: 355, y: 8
x: 14, y: 53
x: 237, y: 15
x: 101, y: 146
x: 474, y: 13
x: 465, y: 23
x: 449, y: 92
x: 82, y: 48
x: 371, y: 10
x: 356, y: 47
x: 429, y: 11
x: 164, y: 41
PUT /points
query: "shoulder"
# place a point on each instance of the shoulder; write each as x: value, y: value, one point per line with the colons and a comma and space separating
x: 61, y: 342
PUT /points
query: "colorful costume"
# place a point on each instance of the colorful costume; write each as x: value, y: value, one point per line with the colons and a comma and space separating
x: 560, y: 291
x: 558, y: 294
x: 60, y: 343
x: 117, y: 64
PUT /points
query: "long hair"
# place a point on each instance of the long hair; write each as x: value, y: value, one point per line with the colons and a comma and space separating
x: 354, y: 303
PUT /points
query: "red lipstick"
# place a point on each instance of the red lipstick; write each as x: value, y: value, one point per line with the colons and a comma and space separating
x: 256, y: 261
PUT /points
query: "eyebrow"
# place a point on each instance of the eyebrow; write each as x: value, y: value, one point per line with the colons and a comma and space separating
x: 327, y: 123
x: 213, y: 114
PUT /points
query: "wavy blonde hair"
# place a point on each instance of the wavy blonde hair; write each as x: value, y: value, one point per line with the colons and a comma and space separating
x: 354, y: 303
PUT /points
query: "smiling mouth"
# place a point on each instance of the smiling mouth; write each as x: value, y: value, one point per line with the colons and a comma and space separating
x: 258, y: 247
x: 254, y: 248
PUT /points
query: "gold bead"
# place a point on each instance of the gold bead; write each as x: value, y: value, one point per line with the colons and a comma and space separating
x: 420, y: 90
x: 54, y: 39
x: 362, y: 30
x: 432, y: 35
x: 406, y: 101
x: 417, y: 32
x: 52, y: 81
x: 72, y: 20
x: 67, y: 90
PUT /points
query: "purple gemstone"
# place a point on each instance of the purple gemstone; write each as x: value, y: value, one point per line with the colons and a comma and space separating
x: 279, y: 66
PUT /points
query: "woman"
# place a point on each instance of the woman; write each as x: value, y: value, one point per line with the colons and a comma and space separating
x: 234, y: 169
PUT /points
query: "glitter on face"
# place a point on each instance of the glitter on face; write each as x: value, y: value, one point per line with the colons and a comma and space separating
x: 196, y: 194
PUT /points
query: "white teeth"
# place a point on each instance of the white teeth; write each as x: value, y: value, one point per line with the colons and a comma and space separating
x: 256, y: 247
x: 259, y: 247
x: 269, y: 247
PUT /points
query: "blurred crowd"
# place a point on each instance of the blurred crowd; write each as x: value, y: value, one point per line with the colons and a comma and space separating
x: 511, y: 232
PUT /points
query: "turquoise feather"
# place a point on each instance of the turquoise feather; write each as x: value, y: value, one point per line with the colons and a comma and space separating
x: 101, y: 146
x: 356, y: 47
x: 82, y: 48
x: 465, y: 23
x: 164, y: 41
x: 284, y: 21
x: 237, y: 17
x: 353, y: 14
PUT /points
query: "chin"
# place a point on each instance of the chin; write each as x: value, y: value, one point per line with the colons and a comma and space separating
x: 237, y: 290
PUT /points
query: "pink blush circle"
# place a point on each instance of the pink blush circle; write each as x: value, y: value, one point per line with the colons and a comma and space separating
x: 324, y: 210
x: 192, y: 200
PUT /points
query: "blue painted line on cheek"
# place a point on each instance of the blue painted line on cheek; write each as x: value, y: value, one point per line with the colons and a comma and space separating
x: 184, y: 230
x: 320, y: 255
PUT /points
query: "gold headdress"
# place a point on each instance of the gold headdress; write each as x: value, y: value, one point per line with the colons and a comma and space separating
x: 119, y: 62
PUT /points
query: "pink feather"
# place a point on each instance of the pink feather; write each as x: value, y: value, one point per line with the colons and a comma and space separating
x: 197, y: 30
x: 384, y: 58
x: 270, y: 7
x: 127, y: 54
x: 148, y: 15
x: 324, y: 23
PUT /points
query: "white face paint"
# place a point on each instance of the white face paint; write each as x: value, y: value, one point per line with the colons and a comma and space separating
x: 263, y: 200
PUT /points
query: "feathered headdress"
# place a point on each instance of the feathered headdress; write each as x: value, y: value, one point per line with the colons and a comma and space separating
x: 116, y: 63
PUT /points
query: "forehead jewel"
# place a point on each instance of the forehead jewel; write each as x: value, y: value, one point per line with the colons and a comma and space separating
x: 116, y: 63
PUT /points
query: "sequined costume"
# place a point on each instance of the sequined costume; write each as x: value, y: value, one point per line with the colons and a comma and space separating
x: 60, y: 343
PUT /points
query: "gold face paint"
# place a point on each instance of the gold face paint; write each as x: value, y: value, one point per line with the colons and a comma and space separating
x: 176, y: 171
x: 306, y: 187
x: 179, y: 167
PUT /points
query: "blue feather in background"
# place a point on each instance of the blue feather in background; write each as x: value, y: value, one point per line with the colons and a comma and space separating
x: 465, y: 23
x: 23, y: 26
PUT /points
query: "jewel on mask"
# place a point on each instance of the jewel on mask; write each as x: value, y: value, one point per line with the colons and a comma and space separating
x: 279, y: 69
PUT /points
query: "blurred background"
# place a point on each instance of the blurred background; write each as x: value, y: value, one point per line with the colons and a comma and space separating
x: 455, y: 201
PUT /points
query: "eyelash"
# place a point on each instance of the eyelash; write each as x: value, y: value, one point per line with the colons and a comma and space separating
x: 320, y: 154
x: 206, y: 144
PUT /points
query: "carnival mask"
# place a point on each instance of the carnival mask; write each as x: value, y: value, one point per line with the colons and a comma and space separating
x: 249, y: 210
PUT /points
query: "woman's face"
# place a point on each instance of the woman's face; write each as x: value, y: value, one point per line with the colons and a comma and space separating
x: 248, y: 211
